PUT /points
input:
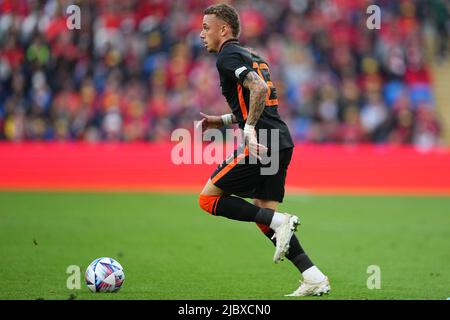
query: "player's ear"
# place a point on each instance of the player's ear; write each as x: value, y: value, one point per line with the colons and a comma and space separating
x: 223, y: 30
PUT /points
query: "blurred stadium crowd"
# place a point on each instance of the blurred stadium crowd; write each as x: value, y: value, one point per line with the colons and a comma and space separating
x: 136, y: 70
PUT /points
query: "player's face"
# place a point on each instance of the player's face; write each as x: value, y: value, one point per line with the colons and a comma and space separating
x: 211, y: 32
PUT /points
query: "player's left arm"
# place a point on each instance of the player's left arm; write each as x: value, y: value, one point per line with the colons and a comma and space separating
x: 258, y: 93
x: 233, y: 65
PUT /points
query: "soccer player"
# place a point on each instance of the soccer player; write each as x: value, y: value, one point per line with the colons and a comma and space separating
x: 246, y: 85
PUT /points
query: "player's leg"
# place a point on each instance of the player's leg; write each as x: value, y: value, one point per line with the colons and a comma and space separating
x: 236, y: 176
x: 269, y: 194
x: 213, y: 200
x: 315, y: 282
x: 233, y: 176
x: 296, y: 254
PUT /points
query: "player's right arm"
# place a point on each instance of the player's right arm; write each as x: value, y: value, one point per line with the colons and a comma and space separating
x: 210, y: 122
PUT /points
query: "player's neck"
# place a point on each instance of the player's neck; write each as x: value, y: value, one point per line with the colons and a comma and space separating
x: 227, y: 41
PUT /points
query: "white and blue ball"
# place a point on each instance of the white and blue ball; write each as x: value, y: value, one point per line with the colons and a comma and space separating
x: 104, y: 275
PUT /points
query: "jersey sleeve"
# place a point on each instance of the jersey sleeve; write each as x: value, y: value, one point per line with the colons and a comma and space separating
x: 233, y: 65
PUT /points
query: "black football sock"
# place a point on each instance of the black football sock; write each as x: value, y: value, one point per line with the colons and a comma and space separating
x: 296, y: 254
x: 238, y: 209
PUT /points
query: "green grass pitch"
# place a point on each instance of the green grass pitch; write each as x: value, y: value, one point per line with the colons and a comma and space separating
x: 170, y: 249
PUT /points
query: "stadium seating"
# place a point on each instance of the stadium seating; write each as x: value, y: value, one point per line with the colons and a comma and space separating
x: 136, y: 70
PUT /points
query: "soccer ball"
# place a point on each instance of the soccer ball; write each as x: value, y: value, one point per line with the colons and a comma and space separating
x: 104, y: 275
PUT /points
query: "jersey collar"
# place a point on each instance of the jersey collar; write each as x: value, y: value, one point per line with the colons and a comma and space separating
x: 232, y: 40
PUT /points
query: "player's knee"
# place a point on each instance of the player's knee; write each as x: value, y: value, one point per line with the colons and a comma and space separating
x: 208, y: 203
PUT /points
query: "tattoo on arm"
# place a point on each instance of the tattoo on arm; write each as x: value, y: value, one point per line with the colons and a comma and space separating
x: 234, y: 119
x: 258, y: 93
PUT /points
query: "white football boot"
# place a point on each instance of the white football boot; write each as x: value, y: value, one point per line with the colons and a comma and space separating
x: 283, y: 235
x: 308, y: 288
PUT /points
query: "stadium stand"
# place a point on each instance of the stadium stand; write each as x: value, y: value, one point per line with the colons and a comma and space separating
x: 130, y: 75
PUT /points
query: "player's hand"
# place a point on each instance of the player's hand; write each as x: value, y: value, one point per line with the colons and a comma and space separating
x: 209, y: 122
x: 255, y: 148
